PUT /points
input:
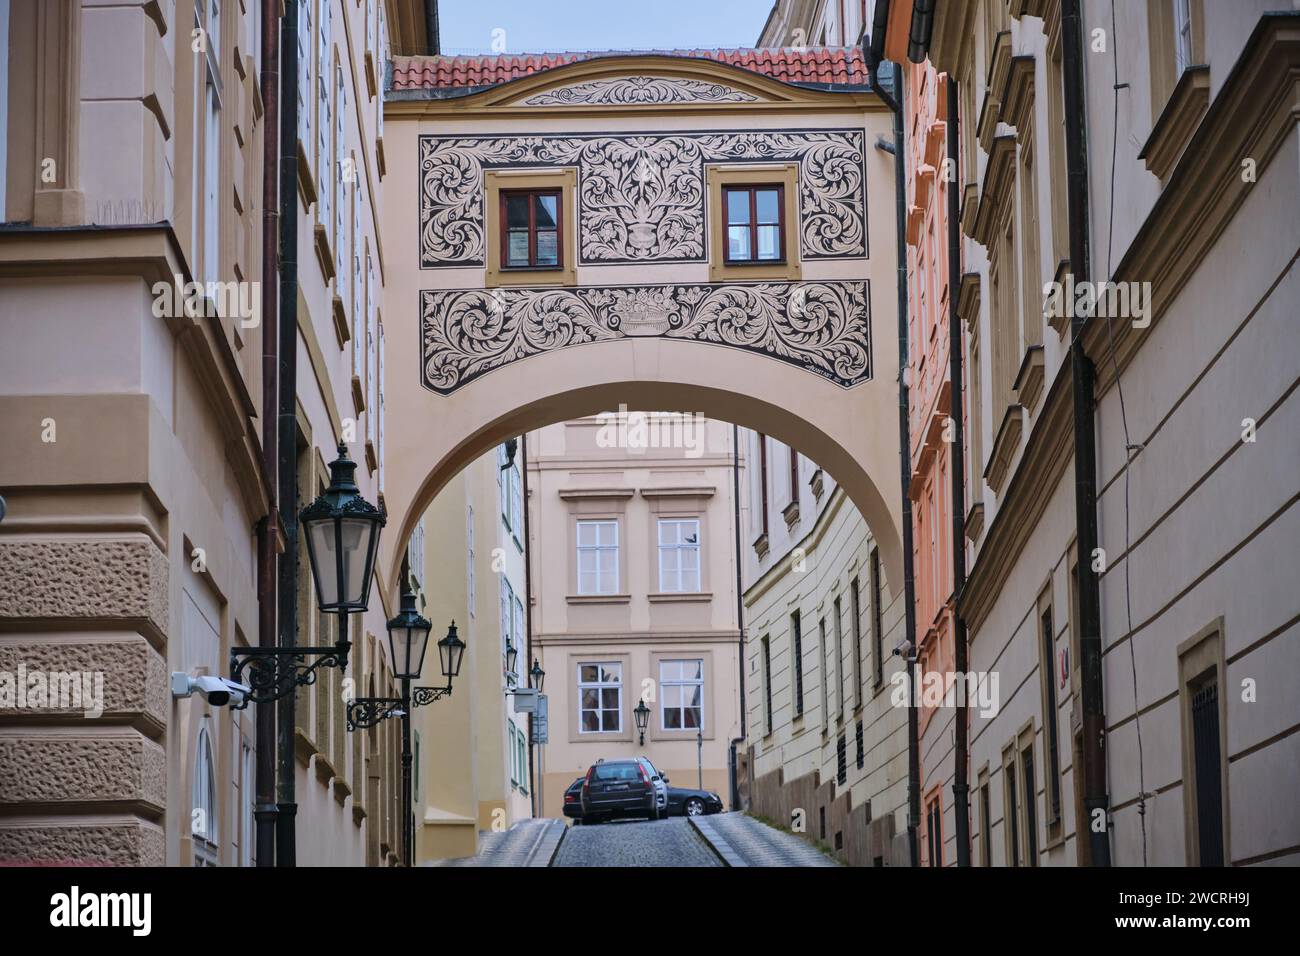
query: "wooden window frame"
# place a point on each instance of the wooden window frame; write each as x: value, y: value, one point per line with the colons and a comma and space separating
x: 498, y: 181
x: 784, y: 176
x: 753, y: 189
x: 532, y: 265
x: 1200, y: 656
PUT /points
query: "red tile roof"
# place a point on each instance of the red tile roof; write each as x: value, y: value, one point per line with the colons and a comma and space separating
x: 815, y: 65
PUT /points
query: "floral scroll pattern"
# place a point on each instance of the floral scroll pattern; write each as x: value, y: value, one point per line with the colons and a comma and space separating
x: 640, y: 91
x: 641, y: 196
x: 822, y: 327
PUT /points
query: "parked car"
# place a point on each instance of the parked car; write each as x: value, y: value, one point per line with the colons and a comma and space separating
x: 692, y: 803
x: 573, y: 801
x: 619, y: 788
x: 661, y: 785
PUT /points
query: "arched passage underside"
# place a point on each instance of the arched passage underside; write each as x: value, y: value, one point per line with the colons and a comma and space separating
x: 852, y: 433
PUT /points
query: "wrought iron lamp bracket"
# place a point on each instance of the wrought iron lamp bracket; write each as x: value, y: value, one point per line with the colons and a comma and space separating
x: 275, y: 672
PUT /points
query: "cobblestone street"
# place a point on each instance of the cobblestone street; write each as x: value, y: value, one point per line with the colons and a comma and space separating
x: 672, y: 842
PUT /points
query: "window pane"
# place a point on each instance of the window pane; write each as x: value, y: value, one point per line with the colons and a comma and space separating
x: 692, y: 717
x: 737, y: 206
x: 590, y: 699
x: 586, y: 533
x: 768, y: 208
x: 608, y: 560
x: 517, y: 211
x: 587, y: 582
x: 769, y: 242
x: 738, y: 242
x: 590, y: 721
x: 673, y: 719
x: 517, y: 249
x: 610, y: 719
x: 547, y: 254
x: 611, y: 673
x: 546, y: 211
x: 690, y: 580
x: 693, y: 669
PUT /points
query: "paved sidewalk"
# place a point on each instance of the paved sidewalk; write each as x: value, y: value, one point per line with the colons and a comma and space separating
x: 528, y: 843
x: 743, y: 841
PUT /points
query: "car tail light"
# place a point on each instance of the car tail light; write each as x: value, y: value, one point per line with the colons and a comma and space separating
x: 570, y: 798
x: 644, y: 776
x: 586, y: 782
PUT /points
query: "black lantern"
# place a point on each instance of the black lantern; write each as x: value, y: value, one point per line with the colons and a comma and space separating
x: 642, y: 715
x: 450, y: 651
x: 538, y: 674
x: 408, y: 639
x: 512, y: 657
x: 342, y: 533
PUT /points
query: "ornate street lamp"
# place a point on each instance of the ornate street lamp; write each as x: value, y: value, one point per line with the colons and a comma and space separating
x: 451, y: 650
x: 341, y: 531
x: 512, y: 657
x: 408, y: 638
x: 537, y: 674
x: 642, y: 715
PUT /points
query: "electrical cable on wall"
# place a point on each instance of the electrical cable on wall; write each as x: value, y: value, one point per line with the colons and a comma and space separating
x: 1130, y: 450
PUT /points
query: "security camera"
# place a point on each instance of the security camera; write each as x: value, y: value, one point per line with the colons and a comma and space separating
x: 217, y: 691
x: 904, y: 649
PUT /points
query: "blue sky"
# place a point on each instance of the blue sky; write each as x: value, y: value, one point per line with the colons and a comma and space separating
x: 537, y: 26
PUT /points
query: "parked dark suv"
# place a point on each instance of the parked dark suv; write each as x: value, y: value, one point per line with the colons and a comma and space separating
x: 618, y: 788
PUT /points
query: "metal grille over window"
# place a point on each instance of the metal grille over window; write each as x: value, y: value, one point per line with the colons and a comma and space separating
x: 861, y: 749
x: 1209, y: 796
x: 841, y: 760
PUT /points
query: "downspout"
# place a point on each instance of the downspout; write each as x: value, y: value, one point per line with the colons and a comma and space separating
x: 286, y: 850
x: 264, y: 811
x: 894, y: 101
x: 740, y: 608
x: 534, y: 804
x: 1095, y: 797
x: 957, y: 471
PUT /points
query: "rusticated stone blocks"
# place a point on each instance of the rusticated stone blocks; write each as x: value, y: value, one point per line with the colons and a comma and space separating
x: 49, y: 769
x: 134, y: 682
x: 109, y: 842
x: 86, y: 580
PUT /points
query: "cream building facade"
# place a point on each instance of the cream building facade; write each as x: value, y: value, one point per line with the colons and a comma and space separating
x: 1195, y: 477
x: 634, y: 563
x: 471, y: 766
x: 826, y: 736
x: 133, y: 472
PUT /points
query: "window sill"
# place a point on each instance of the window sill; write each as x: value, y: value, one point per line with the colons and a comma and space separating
x: 761, y: 545
x: 358, y: 394
x: 679, y: 597
x: 324, y: 254
x: 975, y: 521
x: 1004, y: 447
x: 1029, y: 379
x: 1177, y: 122
x: 341, y: 329
x: 303, y: 746
x: 306, y: 182
x: 324, y: 769
x: 341, y: 791
x: 599, y: 598
x: 791, y: 515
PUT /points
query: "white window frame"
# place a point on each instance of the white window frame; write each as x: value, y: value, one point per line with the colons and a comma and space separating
x: 507, y: 618
x: 203, y: 793
x: 517, y: 630
x: 1182, y: 36
x: 599, y: 547
x: 248, y: 797
x: 600, y: 686
x: 305, y: 99
x: 681, y: 552
x: 682, y: 683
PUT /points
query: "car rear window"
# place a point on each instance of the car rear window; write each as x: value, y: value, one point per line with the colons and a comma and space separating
x: 617, y: 771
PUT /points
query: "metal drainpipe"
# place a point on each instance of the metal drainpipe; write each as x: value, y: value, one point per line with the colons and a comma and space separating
x: 264, y: 810
x: 740, y: 604
x: 285, y: 824
x: 1085, y: 449
x: 534, y: 799
x: 957, y: 471
x: 895, y: 104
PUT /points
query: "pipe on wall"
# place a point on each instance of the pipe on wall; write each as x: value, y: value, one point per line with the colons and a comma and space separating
x: 264, y: 809
x: 1096, y: 799
x: 957, y: 471
x: 287, y: 423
